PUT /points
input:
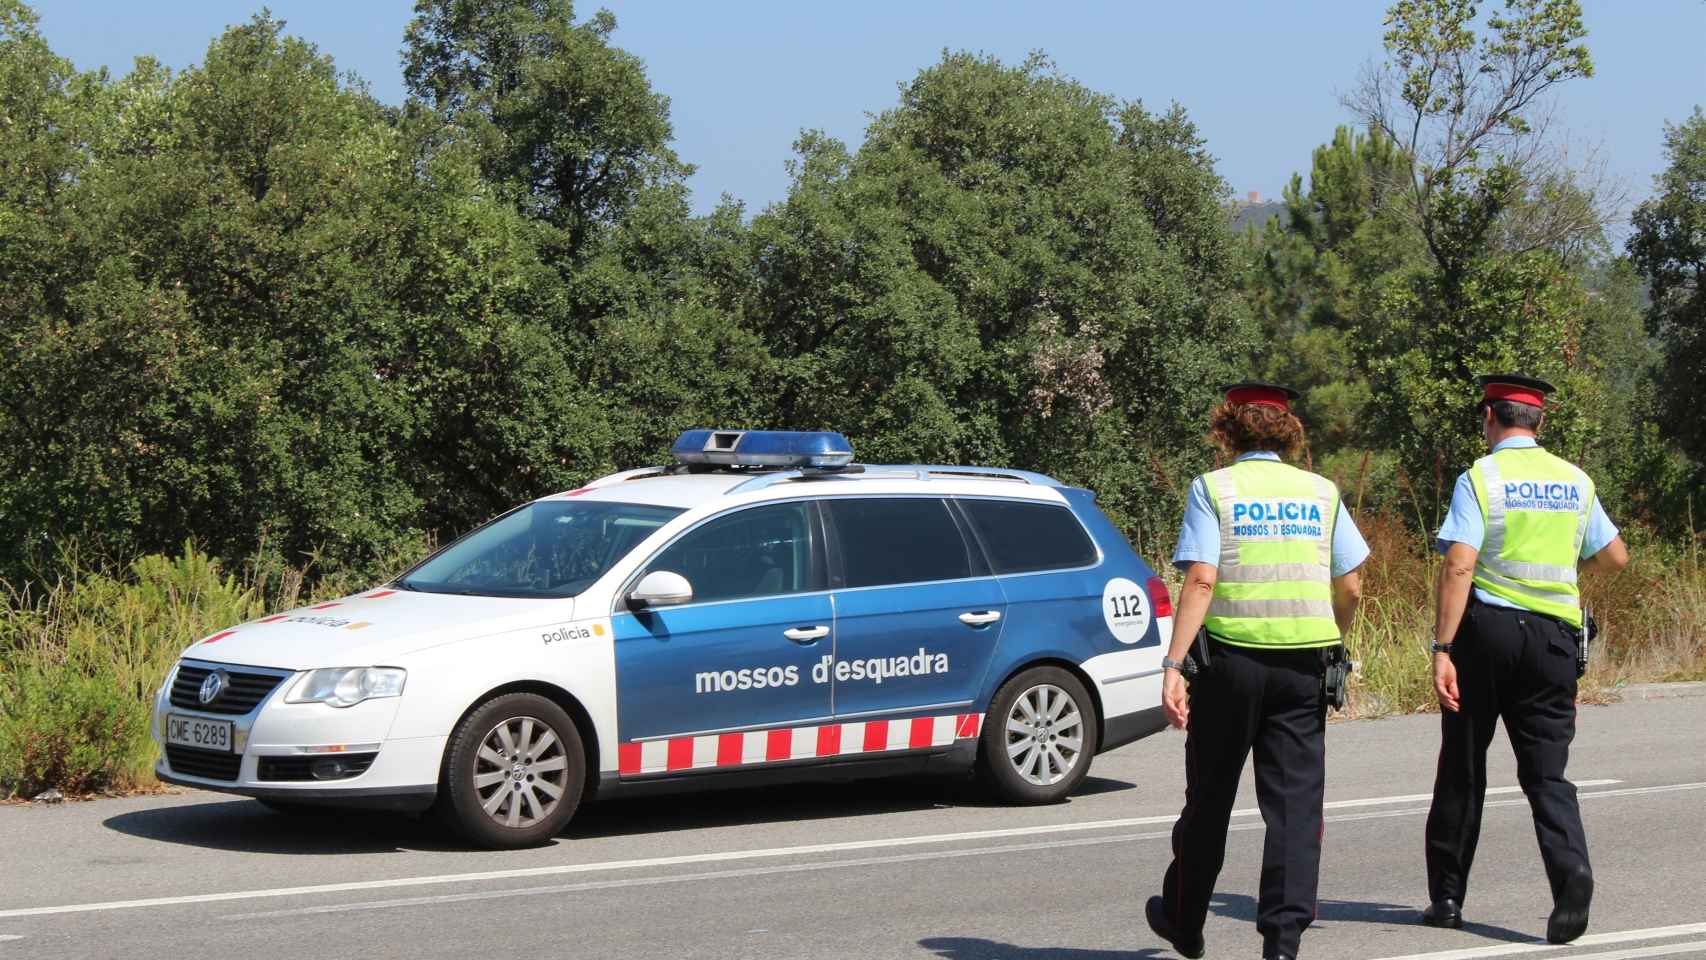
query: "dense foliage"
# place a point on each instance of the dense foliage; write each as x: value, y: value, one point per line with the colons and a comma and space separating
x: 249, y: 305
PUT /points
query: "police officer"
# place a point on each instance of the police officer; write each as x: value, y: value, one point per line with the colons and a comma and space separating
x: 1270, y: 558
x: 1506, y: 635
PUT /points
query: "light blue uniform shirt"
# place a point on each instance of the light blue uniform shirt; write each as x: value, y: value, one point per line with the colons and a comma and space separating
x: 1463, y: 524
x: 1199, y: 536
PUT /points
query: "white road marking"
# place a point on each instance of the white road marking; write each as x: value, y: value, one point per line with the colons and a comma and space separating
x: 822, y: 865
x: 763, y: 853
x: 1591, y: 940
x: 1411, y: 798
x: 9, y: 936
x: 1662, y: 950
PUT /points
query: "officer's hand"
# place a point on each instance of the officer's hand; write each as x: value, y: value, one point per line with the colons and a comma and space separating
x: 1445, y: 682
x: 1173, y: 699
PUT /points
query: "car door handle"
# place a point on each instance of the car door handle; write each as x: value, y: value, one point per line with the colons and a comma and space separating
x: 806, y: 634
x: 980, y: 618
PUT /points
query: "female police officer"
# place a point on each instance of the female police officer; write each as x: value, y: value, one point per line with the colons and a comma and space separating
x: 1270, y: 558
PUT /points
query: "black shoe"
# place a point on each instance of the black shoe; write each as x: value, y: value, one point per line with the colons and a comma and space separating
x: 1570, y: 911
x: 1443, y: 913
x: 1279, y: 956
x: 1155, y: 911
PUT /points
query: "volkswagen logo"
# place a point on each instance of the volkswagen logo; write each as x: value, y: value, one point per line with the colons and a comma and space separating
x: 213, y: 686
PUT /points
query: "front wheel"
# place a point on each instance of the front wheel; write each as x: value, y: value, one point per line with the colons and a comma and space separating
x: 513, y: 772
x: 1039, y: 736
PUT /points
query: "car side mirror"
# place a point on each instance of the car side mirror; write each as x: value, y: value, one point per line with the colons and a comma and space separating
x: 660, y: 588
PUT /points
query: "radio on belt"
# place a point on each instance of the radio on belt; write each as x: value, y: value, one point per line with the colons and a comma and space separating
x: 763, y: 448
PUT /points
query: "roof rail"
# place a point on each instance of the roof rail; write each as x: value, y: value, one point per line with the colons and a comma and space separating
x: 945, y: 471
x: 634, y: 474
x: 876, y: 471
x: 763, y: 480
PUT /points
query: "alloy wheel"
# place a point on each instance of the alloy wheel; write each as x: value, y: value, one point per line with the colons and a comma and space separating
x: 520, y: 772
x: 1045, y: 734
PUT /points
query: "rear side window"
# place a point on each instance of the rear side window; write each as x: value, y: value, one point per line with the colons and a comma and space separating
x: 887, y: 541
x: 1027, y: 537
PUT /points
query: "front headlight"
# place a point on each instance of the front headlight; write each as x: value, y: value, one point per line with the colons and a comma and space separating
x: 347, y: 686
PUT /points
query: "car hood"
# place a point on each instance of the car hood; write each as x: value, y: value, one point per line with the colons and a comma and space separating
x: 372, y: 628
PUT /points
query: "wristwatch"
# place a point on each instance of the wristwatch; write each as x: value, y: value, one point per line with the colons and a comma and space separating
x: 1442, y: 648
x: 1168, y: 663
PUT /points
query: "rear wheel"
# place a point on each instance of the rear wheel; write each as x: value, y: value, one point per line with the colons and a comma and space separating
x: 513, y: 773
x: 1039, y: 736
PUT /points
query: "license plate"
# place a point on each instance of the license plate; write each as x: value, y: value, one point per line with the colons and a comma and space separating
x: 199, y: 733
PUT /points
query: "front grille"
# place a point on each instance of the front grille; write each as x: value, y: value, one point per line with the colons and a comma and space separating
x: 302, y: 767
x: 239, y: 697
x: 210, y: 764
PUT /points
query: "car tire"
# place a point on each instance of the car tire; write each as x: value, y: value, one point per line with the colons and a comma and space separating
x: 514, y: 772
x: 1044, y: 754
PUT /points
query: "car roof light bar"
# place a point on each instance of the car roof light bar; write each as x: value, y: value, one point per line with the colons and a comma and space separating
x: 823, y: 450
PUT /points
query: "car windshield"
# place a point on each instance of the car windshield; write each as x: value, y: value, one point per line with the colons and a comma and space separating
x: 546, y: 549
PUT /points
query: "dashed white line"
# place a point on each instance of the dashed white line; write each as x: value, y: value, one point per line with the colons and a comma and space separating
x: 1591, y: 940
x: 756, y: 854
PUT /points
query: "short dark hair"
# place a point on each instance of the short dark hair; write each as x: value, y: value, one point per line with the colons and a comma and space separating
x: 1509, y: 413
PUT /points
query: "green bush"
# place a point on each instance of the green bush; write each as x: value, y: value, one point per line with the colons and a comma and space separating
x: 67, y: 726
x: 81, y: 662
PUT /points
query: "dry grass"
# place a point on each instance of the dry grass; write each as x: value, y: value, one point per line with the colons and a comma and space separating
x: 1652, y: 619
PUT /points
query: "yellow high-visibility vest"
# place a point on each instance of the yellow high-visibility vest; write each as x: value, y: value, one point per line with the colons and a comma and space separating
x: 1536, y: 508
x: 1274, y: 588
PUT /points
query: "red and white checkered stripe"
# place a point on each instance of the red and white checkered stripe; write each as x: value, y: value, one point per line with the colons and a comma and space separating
x: 793, y: 743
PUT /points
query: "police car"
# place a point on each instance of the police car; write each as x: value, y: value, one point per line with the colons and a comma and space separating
x: 762, y: 609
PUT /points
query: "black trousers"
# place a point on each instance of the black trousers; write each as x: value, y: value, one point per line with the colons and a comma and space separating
x: 1272, y: 703
x: 1521, y: 667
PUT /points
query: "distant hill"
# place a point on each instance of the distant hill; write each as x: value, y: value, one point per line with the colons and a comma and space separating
x: 1245, y: 214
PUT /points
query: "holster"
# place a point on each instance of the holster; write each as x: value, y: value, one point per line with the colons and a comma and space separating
x: 1584, y: 638
x: 1196, y: 658
x: 1336, y: 667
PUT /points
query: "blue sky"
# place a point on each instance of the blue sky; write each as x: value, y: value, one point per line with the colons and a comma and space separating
x: 1260, y: 78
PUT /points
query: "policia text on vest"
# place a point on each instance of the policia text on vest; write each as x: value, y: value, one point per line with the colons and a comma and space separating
x: 1507, y: 635
x: 1270, y: 558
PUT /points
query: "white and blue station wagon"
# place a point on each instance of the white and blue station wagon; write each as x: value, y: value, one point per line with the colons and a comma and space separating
x: 763, y: 609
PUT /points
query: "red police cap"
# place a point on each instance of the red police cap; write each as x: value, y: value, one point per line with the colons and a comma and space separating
x: 1263, y: 394
x: 1509, y: 386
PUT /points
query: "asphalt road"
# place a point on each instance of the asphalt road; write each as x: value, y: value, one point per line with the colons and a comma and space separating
x: 901, y: 869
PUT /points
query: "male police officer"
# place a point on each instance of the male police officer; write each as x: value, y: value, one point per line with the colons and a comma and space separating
x: 1270, y: 557
x: 1520, y: 518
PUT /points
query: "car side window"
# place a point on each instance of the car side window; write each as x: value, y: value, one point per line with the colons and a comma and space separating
x: 757, y: 552
x: 892, y: 540
x: 1028, y: 537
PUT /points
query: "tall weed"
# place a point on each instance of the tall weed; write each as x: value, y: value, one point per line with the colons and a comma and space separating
x: 80, y: 660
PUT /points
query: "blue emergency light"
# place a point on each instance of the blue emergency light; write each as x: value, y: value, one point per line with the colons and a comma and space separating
x: 763, y: 448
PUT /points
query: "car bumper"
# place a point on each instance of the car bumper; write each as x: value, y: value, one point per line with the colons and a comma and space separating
x: 304, y: 752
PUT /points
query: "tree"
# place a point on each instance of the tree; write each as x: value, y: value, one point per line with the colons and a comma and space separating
x: 1012, y: 269
x: 1310, y: 279
x: 1669, y: 248
x: 1468, y: 111
x: 563, y: 121
x: 211, y: 368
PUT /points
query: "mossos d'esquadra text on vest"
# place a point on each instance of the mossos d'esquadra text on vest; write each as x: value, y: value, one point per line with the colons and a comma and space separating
x: 1542, y: 495
x: 1277, y: 517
